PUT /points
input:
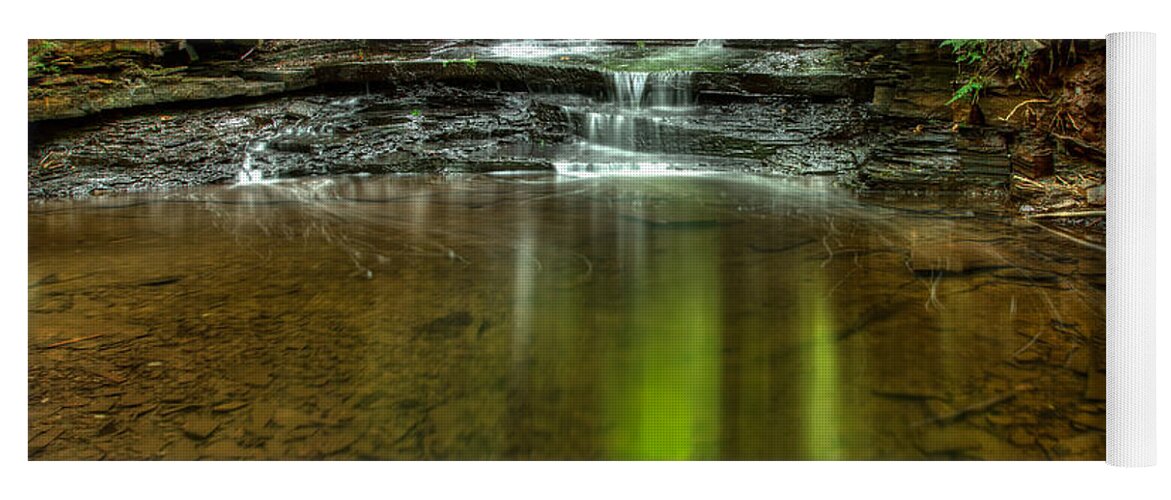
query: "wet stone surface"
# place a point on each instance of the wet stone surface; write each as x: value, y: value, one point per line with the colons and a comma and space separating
x: 556, y: 317
x: 430, y: 129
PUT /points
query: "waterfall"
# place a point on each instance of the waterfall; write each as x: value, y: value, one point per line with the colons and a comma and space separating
x: 633, y: 120
x: 628, y: 88
x: 634, y: 90
x: 632, y: 128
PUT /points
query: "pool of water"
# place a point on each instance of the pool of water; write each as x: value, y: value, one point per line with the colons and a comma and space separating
x: 713, y: 316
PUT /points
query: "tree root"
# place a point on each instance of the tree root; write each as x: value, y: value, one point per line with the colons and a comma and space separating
x: 1023, y: 103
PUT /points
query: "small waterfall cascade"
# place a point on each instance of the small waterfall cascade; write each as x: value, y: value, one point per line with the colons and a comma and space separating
x: 636, y: 90
x: 249, y: 174
x: 630, y: 129
x: 710, y: 43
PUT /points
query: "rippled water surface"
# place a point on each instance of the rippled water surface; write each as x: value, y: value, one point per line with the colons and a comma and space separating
x: 550, y: 317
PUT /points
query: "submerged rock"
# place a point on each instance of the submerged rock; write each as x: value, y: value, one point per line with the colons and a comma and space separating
x: 447, y: 327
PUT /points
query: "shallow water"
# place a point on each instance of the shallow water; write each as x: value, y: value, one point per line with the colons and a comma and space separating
x: 718, y: 316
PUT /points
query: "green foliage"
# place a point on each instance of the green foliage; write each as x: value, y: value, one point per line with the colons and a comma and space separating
x: 39, y: 56
x: 416, y: 112
x: 1021, y: 68
x: 469, y: 62
x: 970, y: 90
x: 640, y: 44
x: 967, y: 51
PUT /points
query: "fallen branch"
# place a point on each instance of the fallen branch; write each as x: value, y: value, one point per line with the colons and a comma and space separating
x: 1062, y: 215
x: 73, y: 341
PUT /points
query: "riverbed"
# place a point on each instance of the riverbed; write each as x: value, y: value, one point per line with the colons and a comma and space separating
x: 643, y: 314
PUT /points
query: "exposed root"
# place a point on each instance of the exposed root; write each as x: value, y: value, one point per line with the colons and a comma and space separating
x: 1023, y: 103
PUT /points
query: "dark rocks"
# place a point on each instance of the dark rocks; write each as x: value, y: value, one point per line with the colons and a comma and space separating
x: 162, y: 92
x: 43, y: 440
x: 378, y: 133
x: 1032, y: 156
x: 935, y: 159
x: 818, y: 85
x: 447, y: 327
x: 491, y: 74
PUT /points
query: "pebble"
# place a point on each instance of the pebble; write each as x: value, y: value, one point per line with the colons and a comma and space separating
x: 939, y: 409
x: 1028, y: 357
x: 229, y: 406
x: 101, y: 406
x: 255, y: 376
x: 199, y: 426
x: 181, y: 450
x: 1001, y: 419
x: 43, y: 440
x: 1022, y: 437
x: 1091, y: 421
x: 133, y: 399
x: 225, y: 449
x: 447, y: 327
x: 288, y: 417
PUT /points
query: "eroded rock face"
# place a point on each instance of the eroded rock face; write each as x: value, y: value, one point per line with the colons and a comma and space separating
x: 796, y: 107
x: 426, y: 129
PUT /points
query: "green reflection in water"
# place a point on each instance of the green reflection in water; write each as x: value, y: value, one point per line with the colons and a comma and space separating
x: 821, y: 398
x: 665, y: 404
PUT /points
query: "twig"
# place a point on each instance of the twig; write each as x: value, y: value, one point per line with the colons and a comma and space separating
x: 73, y: 341
x: 1070, y: 237
x: 1060, y: 215
x: 1018, y: 106
x: 1030, y: 344
x: 1027, y: 180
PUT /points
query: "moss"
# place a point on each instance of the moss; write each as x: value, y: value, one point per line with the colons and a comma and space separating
x: 40, y: 57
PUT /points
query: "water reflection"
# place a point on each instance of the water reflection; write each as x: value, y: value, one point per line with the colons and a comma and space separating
x: 482, y: 317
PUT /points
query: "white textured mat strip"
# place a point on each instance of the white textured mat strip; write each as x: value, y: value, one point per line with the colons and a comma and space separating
x: 1130, y: 241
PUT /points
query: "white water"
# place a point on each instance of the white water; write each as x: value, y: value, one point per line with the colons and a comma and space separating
x: 636, y: 90
x: 627, y: 132
x: 248, y: 174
